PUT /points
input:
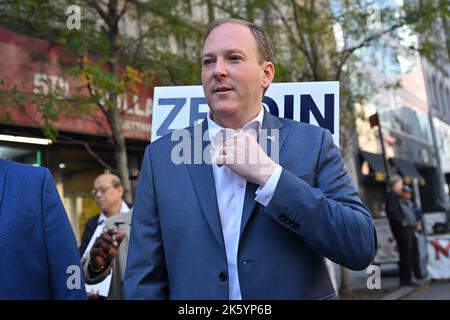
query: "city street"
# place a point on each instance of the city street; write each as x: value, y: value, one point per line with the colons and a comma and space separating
x: 391, y: 290
x: 434, y: 290
x: 358, y: 282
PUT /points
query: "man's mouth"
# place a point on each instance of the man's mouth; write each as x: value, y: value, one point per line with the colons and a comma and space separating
x: 221, y: 89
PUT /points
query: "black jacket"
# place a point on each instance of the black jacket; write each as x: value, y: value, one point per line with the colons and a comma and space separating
x: 91, y: 225
x: 394, y: 210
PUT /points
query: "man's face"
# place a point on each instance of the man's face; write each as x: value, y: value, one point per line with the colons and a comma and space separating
x: 106, y: 195
x: 406, y: 195
x: 398, y: 187
x: 233, y: 75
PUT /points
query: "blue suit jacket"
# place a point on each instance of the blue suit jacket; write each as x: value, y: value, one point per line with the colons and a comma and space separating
x: 176, y: 245
x: 36, y: 240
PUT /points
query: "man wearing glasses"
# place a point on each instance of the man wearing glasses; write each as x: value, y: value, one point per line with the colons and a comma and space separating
x: 108, y: 193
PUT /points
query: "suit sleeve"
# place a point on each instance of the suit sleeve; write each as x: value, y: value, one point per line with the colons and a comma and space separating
x: 91, y: 277
x: 145, y: 273
x: 66, y: 280
x: 326, y: 213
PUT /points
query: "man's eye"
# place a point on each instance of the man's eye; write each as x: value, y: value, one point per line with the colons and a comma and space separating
x: 234, y: 58
x: 207, y: 62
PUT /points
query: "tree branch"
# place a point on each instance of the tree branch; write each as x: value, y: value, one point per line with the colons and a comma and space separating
x: 345, y: 54
x: 101, y: 12
x: 86, y: 146
x: 122, y: 12
x: 301, y: 44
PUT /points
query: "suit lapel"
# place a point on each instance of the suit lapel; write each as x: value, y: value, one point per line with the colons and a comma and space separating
x: 203, y: 180
x: 278, y: 137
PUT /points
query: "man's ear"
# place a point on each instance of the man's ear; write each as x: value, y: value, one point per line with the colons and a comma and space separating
x: 268, y: 73
x: 121, y: 190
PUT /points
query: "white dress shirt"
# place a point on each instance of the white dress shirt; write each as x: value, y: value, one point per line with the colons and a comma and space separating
x: 230, y: 191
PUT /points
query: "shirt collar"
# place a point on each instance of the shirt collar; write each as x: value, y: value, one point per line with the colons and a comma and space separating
x: 123, y: 209
x: 213, y: 128
x: 101, y: 218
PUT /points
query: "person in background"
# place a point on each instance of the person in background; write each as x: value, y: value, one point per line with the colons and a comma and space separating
x: 409, y: 204
x: 108, y: 193
x: 403, y: 222
x: 109, y: 255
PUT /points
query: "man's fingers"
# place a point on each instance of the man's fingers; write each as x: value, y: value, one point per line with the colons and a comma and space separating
x: 98, y: 261
x: 113, y: 234
x: 119, y: 237
x: 98, y: 252
x: 108, y: 237
x: 100, y: 243
x: 113, y: 252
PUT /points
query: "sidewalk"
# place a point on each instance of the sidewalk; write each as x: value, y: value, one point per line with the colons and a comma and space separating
x: 390, y: 287
x: 434, y: 290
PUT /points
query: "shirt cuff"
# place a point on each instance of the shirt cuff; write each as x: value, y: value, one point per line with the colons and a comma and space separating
x: 264, y: 194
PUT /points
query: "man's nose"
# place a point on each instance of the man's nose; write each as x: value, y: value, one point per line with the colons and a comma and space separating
x: 220, y: 69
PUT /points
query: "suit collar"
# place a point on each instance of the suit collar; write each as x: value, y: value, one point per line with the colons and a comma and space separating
x: 270, y: 121
x: 214, y: 128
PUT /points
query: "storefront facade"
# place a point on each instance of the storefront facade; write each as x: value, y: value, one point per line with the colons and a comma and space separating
x: 83, y: 147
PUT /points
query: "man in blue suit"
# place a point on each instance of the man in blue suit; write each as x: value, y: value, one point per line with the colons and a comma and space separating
x: 231, y: 228
x: 40, y: 257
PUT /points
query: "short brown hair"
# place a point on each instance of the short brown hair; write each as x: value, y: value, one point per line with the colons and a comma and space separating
x: 262, y: 39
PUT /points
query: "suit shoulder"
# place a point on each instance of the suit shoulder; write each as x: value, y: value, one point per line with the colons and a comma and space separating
x: 168, y: 140
x: 22, y: 169
x: 306, y: 130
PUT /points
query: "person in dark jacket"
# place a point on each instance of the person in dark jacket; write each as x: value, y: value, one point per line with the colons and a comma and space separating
x: 403, y: 220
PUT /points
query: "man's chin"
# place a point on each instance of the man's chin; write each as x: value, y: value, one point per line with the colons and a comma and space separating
x: 223, y: 108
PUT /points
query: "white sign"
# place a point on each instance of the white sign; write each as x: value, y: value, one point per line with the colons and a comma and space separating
x: 316, y: 103
x: 442, y: 143
x: 387, y: 247
x: 438, y: 256
x: 431, y: 218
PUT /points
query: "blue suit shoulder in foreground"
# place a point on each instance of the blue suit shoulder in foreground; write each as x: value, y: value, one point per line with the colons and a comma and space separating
x: 39, y: 250
x: 177, y: 247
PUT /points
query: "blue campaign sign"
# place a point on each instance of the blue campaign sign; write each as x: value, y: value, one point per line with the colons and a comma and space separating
x: 316, y: 103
